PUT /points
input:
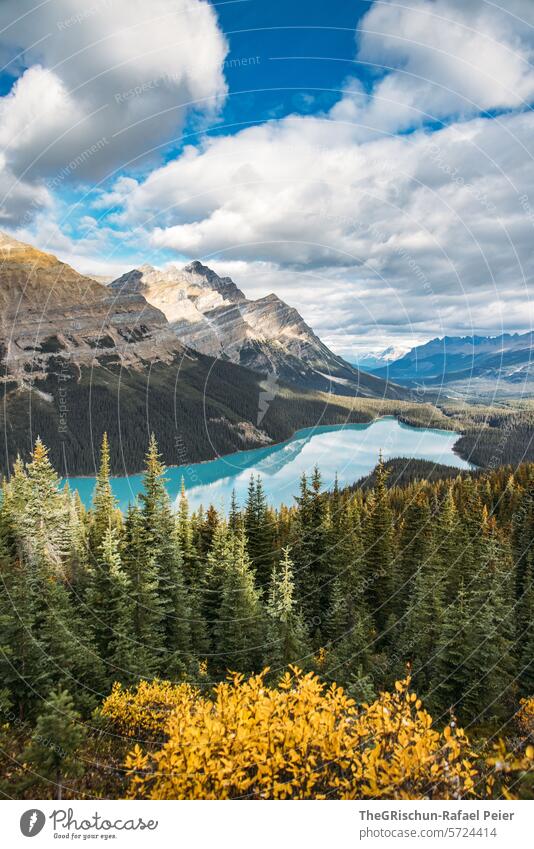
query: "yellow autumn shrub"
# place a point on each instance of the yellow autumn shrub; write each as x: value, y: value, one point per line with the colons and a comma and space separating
x: 145, y: 711
x: 300, y: 740
x: 525, y: 718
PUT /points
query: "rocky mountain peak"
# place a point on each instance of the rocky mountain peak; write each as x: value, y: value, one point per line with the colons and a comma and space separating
x: 205, y: 277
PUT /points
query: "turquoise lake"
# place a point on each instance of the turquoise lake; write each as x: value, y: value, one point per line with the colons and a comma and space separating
x: 351, y: 451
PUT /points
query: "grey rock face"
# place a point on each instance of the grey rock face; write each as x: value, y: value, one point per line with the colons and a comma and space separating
x: 212, y: 315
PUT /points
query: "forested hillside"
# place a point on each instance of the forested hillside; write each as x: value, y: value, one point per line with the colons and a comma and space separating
x: 361, y: 587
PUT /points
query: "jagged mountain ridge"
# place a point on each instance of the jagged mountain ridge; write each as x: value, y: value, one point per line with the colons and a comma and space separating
x: 450, y: 359
x: 78, y: 358
x: 48, y: 310
x: 212, y: 315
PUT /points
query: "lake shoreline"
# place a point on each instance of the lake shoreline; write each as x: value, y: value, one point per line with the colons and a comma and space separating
x: 289, y: 439
x: 347, y: 452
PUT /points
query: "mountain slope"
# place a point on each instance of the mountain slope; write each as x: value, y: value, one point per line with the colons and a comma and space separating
x: 374, y: 360
x: 78, y: 358
x: 507, y: 358
x: 210, y: 314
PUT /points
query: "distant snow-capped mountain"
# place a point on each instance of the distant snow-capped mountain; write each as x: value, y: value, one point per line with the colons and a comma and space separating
x: 373, y: 360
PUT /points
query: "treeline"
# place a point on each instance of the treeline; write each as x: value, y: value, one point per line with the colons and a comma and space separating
x: 352, y: 584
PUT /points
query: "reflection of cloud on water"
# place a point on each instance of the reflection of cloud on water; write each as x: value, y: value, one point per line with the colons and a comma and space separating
x: 351, y: 451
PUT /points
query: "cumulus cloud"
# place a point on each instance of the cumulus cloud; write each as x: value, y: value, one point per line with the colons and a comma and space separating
x: 442, y: 58
x: 102, y: 84
x: 418, y: 230
x: 404, y: 211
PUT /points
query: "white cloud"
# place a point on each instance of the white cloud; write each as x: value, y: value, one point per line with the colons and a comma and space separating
x: 371, y: 232
x: 120, y: 75
x: 444, y: 58
x: 358, y: 225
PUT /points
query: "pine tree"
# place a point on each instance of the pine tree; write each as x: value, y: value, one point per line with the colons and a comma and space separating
x: 54, y: 750
x: 238, y: 631
x: 286, y: 639
x: 380, y: 550
x: 141, y: 576
x: 162, y: 540
x: 259, y: 531
x: 104, y: 513
x: 108, y: 599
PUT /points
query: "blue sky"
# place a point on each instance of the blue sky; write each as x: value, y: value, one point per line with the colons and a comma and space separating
x: 370, y: 162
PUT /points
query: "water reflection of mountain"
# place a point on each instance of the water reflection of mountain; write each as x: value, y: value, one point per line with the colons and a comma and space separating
x: 270, y: 461
x: 265, y: 461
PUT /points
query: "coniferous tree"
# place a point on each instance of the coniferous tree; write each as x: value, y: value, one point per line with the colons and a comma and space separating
x: 53, y: 751
x: 259, y: 531
x: 142, y: 585
x: 286, y: 637
x: 239, y: 628
x: 349, y: 625
x: 524, y: 645
x: 380, y: 552
x: 415, y: 548
x: 109, y: 600
x: 449, y: 678
x: 104, y: 513
x: 22, y: 669
x: 310, y: 546
x: 194, y: 568
x: 162, y: 539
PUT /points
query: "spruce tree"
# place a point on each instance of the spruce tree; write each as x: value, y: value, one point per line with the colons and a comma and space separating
x: 109, y: 601
x: 259, y: 531
x: 310, y: 548
x: 54, y: 749
x: 162, y: 539
x: 349, y: 625
x: 104, y: 513
x: 286, y: 639
x: 239, y: 629
x: 380, y: 551
x: 415, y: 548
x: 141, y: 576
x: 22, y: 667
x: 194, y: 568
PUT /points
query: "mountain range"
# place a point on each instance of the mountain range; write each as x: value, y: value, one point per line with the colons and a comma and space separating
x: 501, y: 363
x: 181, y: 353
x: 212, y: 315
